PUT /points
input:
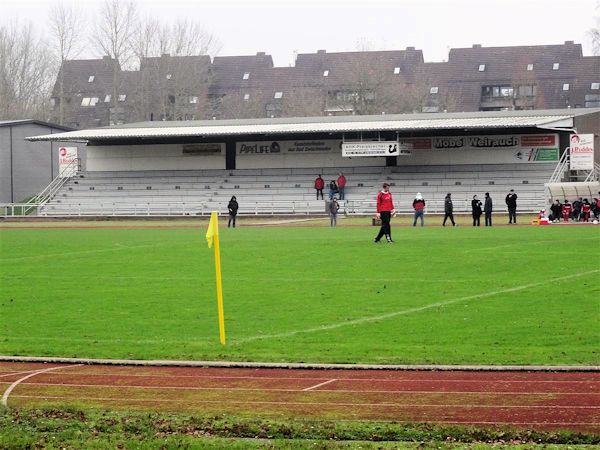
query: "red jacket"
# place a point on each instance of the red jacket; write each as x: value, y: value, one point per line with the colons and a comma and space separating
x: 319, y: 183
x: 384, y: 202
x: 341, y: 181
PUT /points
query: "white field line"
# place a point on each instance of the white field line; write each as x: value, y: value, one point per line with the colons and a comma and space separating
x: 265, y: 402
x: 226, y: 388
x: 17, y: 373
x: 411, y: 310
x: 4, y: 400
x: 319, y: 385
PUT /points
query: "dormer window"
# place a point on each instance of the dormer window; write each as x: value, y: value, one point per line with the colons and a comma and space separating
x: 169, y: 76
x: 396, y: 70
x: 555, y: 66
x: 91, y: 78
x: 565, y: 87
x: 246, y: 97
x: 246, y: 76
x: 122, y: 97
x: 595, y: 86
x: 278, y: 94
x: 326, y: 73
x: 433, y: 90
x: 107, y: 98
x: 193, y: 100
x: 482, y: 67
x: 529, y: 67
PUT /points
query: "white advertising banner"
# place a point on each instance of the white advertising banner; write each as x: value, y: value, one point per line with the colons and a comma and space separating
x: 288, y: 147
x: 374, y: 148
x: 582, y: 152
x: 67, y: 161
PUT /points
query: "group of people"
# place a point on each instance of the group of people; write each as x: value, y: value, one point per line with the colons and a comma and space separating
x: 336, y: 187
x: 581, y: 210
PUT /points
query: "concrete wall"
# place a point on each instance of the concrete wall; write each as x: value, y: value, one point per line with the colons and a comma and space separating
x: 149, y: 157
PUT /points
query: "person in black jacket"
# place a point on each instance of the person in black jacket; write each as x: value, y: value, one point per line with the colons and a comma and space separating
x: 476, y: 210
x: 233, y: 209
x: 448, y: 208
x: 556, y: 209
x: 487, y: 209
x: 511, y: 203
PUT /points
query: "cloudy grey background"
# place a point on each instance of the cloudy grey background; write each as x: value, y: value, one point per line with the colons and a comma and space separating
x: 282, y: 27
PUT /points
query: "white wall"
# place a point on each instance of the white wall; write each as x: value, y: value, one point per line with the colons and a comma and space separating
x: 150, y: 157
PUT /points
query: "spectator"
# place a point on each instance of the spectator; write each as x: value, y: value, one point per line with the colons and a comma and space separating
x: 319, y: 185
x: 595, y: 207
x: 419, y: 207
x: 511, y: 203
x: 556, y: 209
x: 585, y: 210
x: 487, y: 209
x: 334, y: 207
x: 341, y: 182
x: 448, y: 209
x: 385, y: 211
x: 476, y: 211
x: 333, y: 189
x: 566, y: 210
x: 577, y: 204
x: 233, y: 209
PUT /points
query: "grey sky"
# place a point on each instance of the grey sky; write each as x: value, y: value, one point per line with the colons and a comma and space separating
x: 282, y: 27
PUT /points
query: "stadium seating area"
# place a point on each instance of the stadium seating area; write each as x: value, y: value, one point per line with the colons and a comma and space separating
x: 290, y: 191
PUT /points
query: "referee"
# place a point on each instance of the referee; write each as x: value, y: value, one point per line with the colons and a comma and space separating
x: 385, y: 211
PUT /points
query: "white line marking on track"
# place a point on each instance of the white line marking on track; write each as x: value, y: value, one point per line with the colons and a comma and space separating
x: 4, y: 400
x: 410, y: 310
x: 320, y: 384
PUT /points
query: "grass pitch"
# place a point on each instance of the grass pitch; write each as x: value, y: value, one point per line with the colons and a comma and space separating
x: 502, y: 295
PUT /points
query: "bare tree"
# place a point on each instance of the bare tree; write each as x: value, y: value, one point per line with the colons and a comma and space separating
x: 66, y: 24
x: 594, y: 33
x: 25, y: 73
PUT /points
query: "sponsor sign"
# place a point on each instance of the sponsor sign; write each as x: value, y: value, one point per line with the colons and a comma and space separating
x: 201, y: 149
x: 582, y: 152
x: 287, y: 147
x: 374, y: 148
x: 67, y: 165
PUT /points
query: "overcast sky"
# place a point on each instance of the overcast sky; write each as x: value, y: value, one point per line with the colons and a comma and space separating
x: 284, y: 26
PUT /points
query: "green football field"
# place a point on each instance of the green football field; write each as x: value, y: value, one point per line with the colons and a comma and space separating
x: 502, y: 295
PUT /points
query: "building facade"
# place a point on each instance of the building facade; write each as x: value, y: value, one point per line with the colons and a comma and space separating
x: 93, y: 93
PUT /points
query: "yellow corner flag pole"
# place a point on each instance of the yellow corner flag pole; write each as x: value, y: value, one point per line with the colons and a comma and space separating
x: 212, y: 235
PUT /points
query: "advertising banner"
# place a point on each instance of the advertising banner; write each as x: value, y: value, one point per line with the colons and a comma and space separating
x: 67, y: 161
x: 582, y: 152
x: 288, y: 147
x: 373, y: 148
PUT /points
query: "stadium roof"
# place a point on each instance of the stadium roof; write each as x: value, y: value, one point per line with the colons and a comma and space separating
x: 543, y: 119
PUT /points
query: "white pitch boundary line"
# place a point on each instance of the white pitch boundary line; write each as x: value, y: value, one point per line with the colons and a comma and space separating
x: 227, y: 388
x: 4, y: 400
x: 410, y: 310
x: 320, y: 384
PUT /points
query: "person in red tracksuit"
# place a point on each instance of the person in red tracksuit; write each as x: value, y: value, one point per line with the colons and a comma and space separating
x: 319, y: 185
x: 585, y: 210
x: 566, y: 210
x: 341, y: 182
x: 385, y: 211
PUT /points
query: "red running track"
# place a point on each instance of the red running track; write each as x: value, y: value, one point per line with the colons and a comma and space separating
x: 531, y: 400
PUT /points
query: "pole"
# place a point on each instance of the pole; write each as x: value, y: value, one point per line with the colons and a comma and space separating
x: 219, y: 282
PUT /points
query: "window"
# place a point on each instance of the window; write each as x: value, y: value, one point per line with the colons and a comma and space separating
x: 107, y: 98
x: 555, y: 66
x: 529, y: 67
x: 246, y: 75
x: 169, y: 76
x: 91, y: 79
x: 85, y: 101
x: 396, y: 70
x: 326, y: 73
x: 592, y: 100
x: 193, y: 99
x: 565, y: 87
x: 488, y: 92
x: 482, y: 67
x: 595, y: 86
x: 246, y: 96
x: 527, y: 91
x: 93, y: 101
x: 278, y: 94
x: 506, y: 91
x: 122, y: 97
x: 433, y: 90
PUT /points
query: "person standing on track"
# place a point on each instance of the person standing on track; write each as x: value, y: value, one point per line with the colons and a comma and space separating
x: 487, y: 209
x: 448, y: 209
x: 334, y: 207
x: 419, y: 207
x: 232, y: 207
x: 476, y: 210
x: 511, y: 203
x: 385, y: 211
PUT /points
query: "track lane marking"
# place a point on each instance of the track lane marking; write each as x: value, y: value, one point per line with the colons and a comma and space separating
x: 320, y: 384
x: 411, y: 310
x: 4, y: 400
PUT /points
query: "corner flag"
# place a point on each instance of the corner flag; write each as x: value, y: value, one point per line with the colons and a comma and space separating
x: 212, y: 236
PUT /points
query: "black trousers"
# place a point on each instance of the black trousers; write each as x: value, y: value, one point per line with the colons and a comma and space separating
x: 488, y: 219
x: 231, y: 220
x: 319, y: 191
x: 476, y: 220
x: 512, y: 215
x: 447, y: 216
x: 385, y: 229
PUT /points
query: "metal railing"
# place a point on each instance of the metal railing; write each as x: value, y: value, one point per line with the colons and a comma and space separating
x: 561, y: 167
